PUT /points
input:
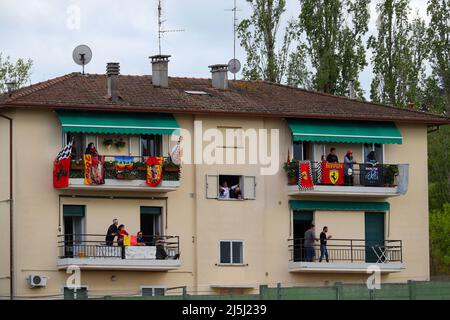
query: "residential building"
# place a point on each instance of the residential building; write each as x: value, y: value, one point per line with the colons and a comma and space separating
x: 214, y: 245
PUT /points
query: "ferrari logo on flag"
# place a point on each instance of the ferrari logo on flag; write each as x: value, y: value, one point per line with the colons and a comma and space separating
x: 334, y: 176
x: 154, y: 171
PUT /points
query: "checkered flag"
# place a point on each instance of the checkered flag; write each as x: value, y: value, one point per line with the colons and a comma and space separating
x: 65, y: 153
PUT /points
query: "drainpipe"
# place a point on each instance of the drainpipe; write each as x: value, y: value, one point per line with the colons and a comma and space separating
x: 11, y: 222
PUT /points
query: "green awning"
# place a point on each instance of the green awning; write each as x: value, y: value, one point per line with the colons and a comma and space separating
x: 73, y: 211
x: 344, y: 131
x: 303, y: 216
x: 338, y: 205
x: 117, y: 122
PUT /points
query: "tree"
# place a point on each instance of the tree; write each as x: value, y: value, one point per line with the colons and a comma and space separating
x: 399, y: 52
x: 334, y: 31
x: 18, y: 72
x: 440, y: 241
x: 439, y: 42
x: 258, y: 36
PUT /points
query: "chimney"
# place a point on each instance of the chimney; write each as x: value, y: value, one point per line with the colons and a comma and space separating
x: 112, y: 72
x: 411, y: 106
x: 160, y: 70
x: 219, y: 76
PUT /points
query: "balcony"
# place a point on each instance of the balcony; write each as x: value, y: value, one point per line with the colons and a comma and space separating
x: 367, y: 180
x: 91, y: 252
x: 130, y: 177
x: 347, y: 256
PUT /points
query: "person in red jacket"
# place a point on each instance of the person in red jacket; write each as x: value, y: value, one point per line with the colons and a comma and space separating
x: 121, y: 234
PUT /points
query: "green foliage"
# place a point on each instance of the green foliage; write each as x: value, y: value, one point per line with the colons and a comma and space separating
x: 440, y: 240
x: 291, y: 168
x: 18, y: 72
x: 334, y: 31
x: 266, y: 61
x: 439, y: 167
x: 399, y: 52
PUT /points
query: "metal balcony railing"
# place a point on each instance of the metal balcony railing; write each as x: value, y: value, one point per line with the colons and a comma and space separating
x: 359, y: 174
x: 348, y: 250
x: 98, y: 246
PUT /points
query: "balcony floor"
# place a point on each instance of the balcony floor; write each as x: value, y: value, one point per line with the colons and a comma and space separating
x: 343, y: 267
x: 119, y: 264
x: 124, y: 185
x: 342, y: 191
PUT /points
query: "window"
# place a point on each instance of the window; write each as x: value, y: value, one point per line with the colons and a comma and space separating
x: 153, y: 291
x: 78, y: 144
x: 150, y: 223
x: 231, y: 252
x: 151, y: 145
x: 230, y: 187
x: 79, y: 294
x: 377, y: 148
x: 73, y: 218
x: 301, y: 150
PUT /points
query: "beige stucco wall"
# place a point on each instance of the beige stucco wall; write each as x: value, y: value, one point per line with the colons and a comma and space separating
x: 263, y: 224
x: 4, y: 207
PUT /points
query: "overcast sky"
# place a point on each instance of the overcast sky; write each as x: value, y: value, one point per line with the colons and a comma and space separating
x: 126, y: 31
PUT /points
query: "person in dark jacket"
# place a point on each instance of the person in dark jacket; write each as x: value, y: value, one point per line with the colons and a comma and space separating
x: 140, y: 239
x: 161, y: 253
x: 323, y: 244
x: 332, y: 157
x: 91, y: 149
x: 112, y: 233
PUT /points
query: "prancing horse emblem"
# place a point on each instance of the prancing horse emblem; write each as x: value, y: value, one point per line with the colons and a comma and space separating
x: 334, y: 176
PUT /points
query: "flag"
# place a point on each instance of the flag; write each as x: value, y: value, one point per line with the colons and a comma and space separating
x: 175, y: 155
x: 332, y: 173
x: 154, y: 171
x: 124, y: 163
x: 94, y: 169
x: 289, y: 157
x: 61, y: 167
x: 305, y: 180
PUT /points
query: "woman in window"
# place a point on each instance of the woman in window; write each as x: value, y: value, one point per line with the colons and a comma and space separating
x: 371, y: 158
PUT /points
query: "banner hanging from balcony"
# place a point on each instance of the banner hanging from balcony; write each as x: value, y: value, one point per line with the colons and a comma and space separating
x: 305, y: 178
x: 332, y: 173
x: 61, y: 167
x: 372, y: 175
x: 94, y: 169
x: 154, y: 171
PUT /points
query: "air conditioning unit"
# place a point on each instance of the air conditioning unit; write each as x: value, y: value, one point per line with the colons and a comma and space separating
x: 35, y: 281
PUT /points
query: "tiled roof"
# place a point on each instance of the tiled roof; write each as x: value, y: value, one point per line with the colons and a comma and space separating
x: 245, y: 98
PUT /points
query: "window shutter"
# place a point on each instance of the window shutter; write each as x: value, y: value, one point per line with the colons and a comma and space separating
x: 212, y: 186
x: 249, y: 187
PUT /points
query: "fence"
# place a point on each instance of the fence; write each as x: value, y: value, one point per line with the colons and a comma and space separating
x: 412, y: 290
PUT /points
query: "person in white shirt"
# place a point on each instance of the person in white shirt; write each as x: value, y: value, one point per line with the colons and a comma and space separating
x: 225, y: 190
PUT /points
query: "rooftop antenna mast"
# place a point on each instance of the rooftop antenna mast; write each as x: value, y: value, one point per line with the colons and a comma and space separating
x: 161, y: 30
x: 235, y: 26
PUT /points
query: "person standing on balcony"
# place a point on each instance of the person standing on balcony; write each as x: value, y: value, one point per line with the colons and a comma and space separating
x: 91, y: 149
x: 323, y: 244
x: 120, y: 237
x: 348, y: 168
x: 310, y: 238
x: 112, y: 233
x: 332, y: 157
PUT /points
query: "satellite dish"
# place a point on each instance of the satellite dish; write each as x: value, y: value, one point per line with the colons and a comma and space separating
x: 234, y: 66
x: 82, y: 55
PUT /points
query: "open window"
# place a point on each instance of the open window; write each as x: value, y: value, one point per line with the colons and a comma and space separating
x: 302, y: 150
x: 377, y: 149
x: 151, y: 145
x: 230, y: 187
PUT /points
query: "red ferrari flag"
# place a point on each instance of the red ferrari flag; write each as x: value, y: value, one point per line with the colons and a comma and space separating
x: 305, y: 179
x: 61, y: 168
x: 332, y: 173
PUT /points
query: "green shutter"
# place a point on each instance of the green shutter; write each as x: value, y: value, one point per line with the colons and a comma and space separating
x: 303, y: 216
x: 117, y: 122
x: 73, y: 211
x: 338, y: 205
x: 151, y: 210
x: 344, y: 131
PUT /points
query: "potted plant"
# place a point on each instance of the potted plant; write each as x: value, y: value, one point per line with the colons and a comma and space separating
x: 110, y: 165
x: 120, y: 144
x: 140, y: 166
x: 77, y: 165
x: 390, y: 172
x: 126, y: 175
x: 291, y: 168
x: 107, y: 143
x: 169, y: 166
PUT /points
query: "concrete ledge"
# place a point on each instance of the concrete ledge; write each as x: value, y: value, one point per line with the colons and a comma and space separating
x: 343, y: 267
x: 124, y: 185
x: 345, y: 191
x: 118, y: 264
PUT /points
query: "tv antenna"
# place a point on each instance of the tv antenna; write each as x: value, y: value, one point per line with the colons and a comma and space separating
x: 82, y: 55
x: 234, y: 64
x: 161, y: 30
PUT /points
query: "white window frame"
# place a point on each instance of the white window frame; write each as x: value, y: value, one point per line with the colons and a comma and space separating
x: 153, y: 290
x: 242, y: 263
x: 242, y: 179
x: 363, y: 160
x: 81, y: 287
